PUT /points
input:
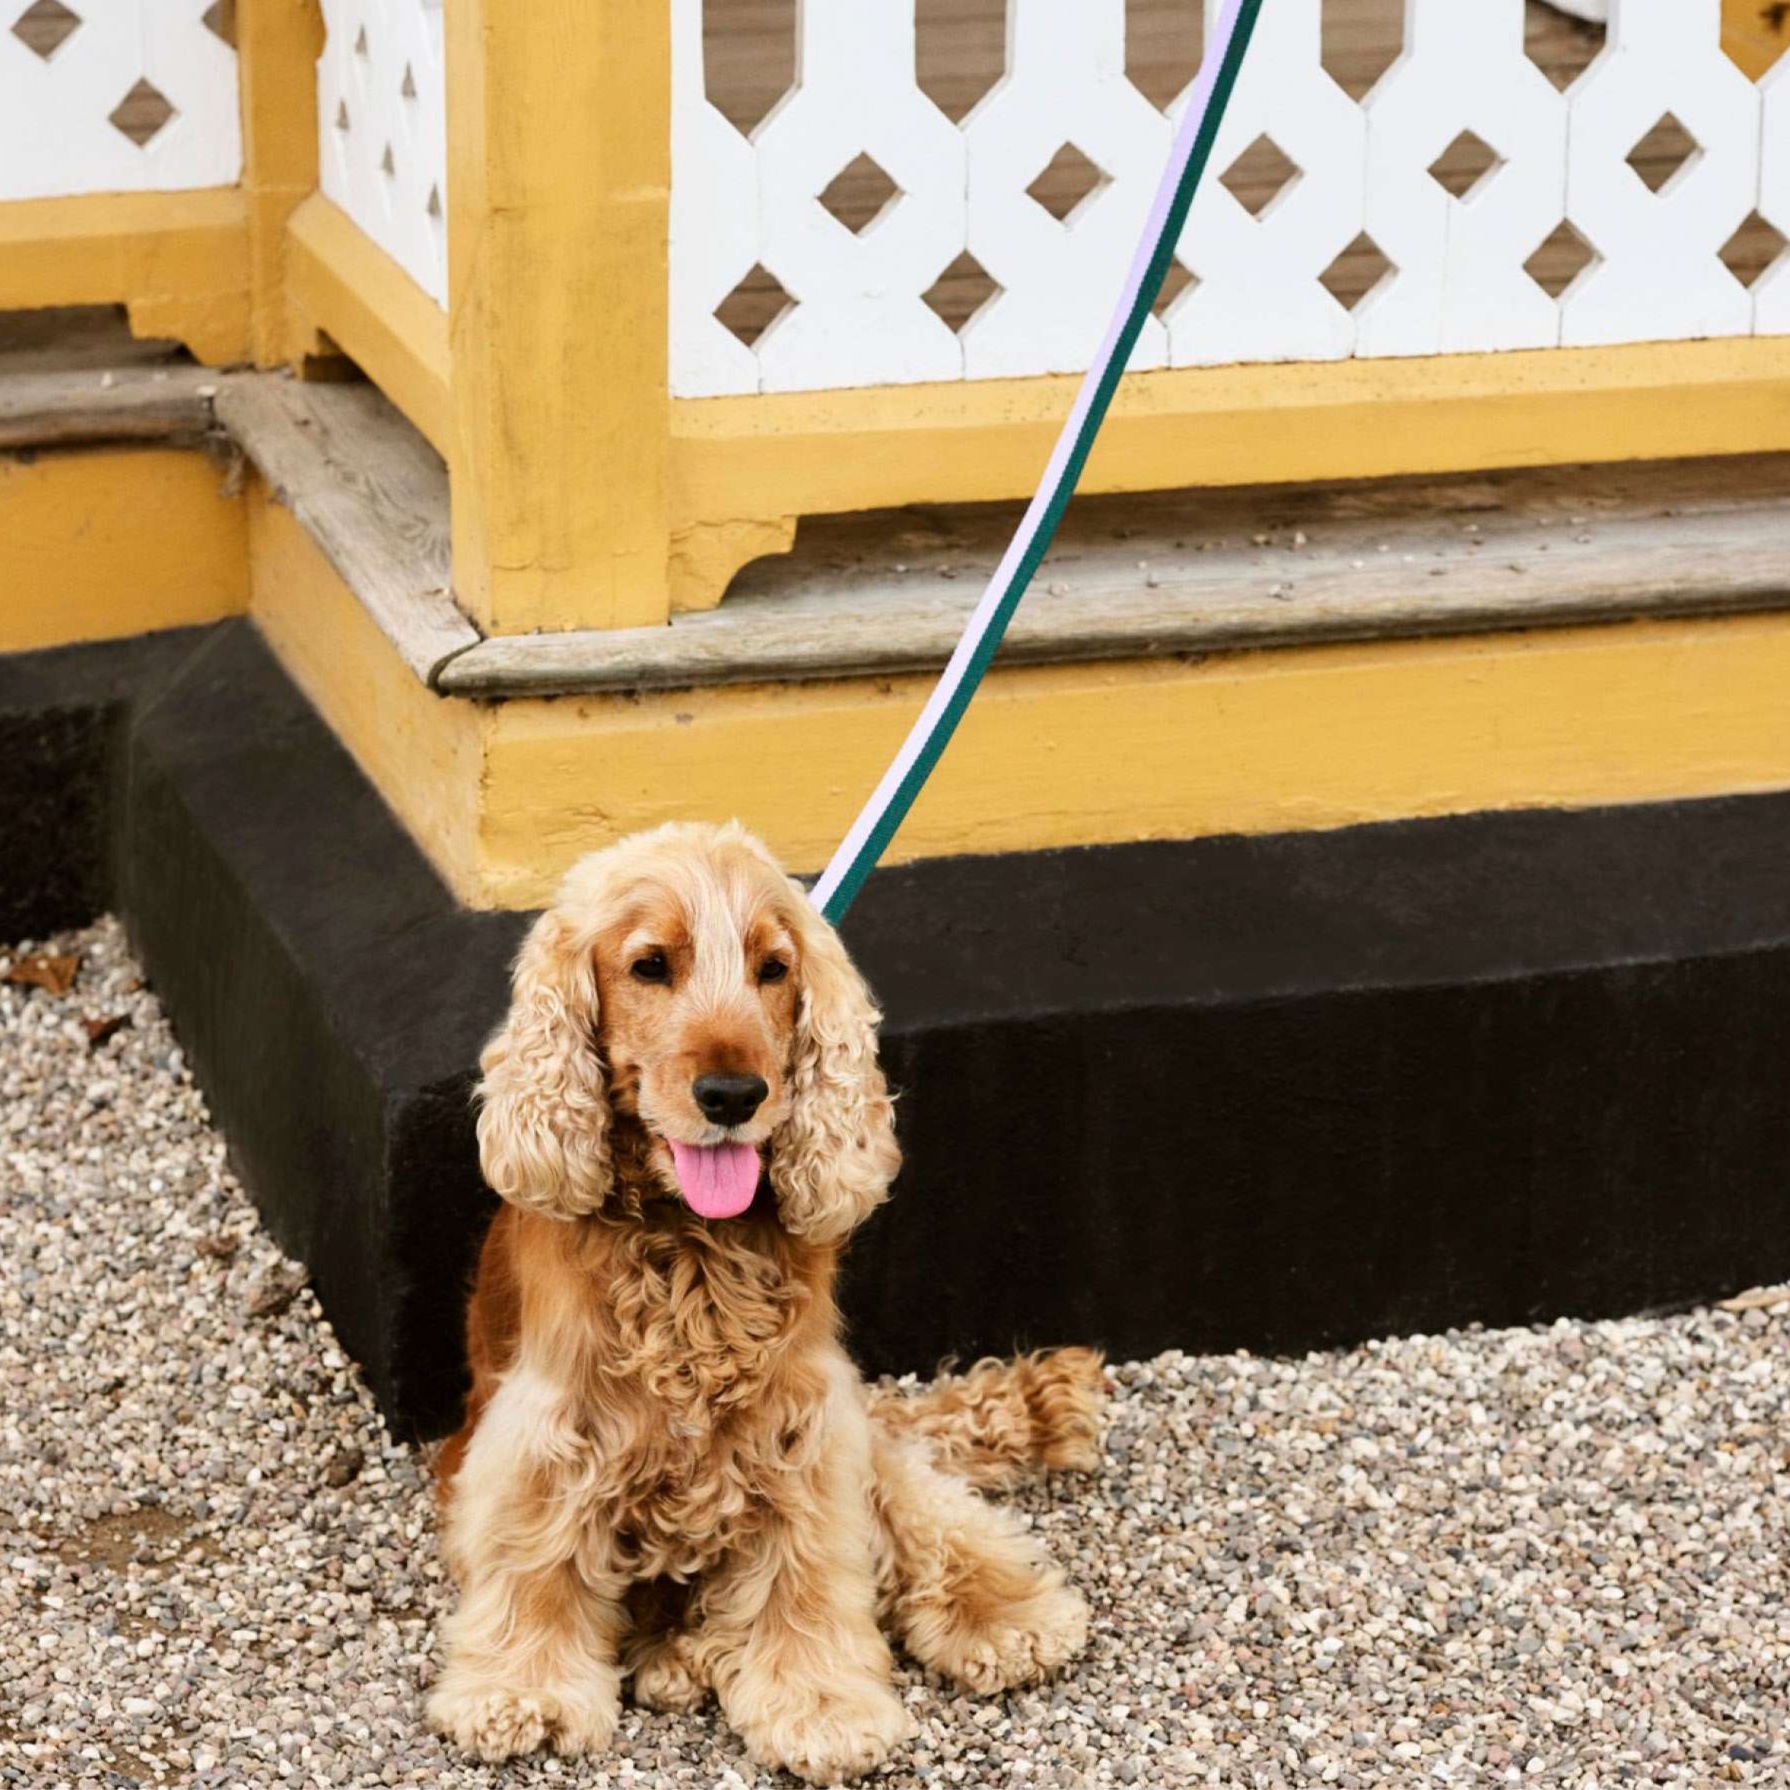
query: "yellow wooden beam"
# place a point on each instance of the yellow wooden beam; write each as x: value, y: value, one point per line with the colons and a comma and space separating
x: 423, y: 754
x: 101, y: 544
x: 1755, y: 33
x: 340, y: 282
x: 1081, y: 755
x: 503, y: 797
x: 277, y: 46
x: 178, y: 261
x: 559, y: 192
x: 831, y: 452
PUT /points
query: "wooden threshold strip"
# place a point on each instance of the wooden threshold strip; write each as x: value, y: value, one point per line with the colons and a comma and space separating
x: 1204, y: 572
x: 91, y: 406
x: 370, y: 491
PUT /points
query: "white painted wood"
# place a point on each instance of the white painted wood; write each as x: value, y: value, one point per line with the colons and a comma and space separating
x: 1659, y: 276
x: 382, y: 129
x: 1259, y: 296
x: 714, y: 223
x: 858, y: 319
x: 1460, y: 284
x: 1065, y: 84
x: 1771, y: 291
x: 56, y: 134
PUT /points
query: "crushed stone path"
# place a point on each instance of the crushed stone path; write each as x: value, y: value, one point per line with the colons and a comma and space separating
x: 1553, y: 1556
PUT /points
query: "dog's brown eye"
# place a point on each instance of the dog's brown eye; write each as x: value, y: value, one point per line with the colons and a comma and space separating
x: 773, y: 969
x: 653, y: 967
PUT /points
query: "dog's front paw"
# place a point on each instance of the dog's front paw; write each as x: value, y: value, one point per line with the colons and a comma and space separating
x: 497, y: 1722
x: 666, y: 1677
x: 832, y: 1734
x: 1016, y: 1643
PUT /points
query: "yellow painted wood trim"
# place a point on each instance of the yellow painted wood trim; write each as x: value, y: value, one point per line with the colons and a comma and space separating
x: 559, y: 188
x: 277, y: 46
x: 178, y: 261
x: 421, y: 753
x: 98, y: 545
x: 1754, y: 33
x: 1250, y: 743
x: 341, y: 282
x: 816, y: 452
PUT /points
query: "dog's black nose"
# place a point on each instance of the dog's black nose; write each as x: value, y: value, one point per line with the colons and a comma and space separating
x: 729, y: 1099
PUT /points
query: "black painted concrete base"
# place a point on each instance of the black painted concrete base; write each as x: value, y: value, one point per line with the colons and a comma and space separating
x: 1264, y: 1093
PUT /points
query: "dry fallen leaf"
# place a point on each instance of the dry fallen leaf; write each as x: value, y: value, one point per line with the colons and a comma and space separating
x: 274, y: 1293
x: 46, y: 970
x: 99, y: 1030
x: 344, y: 1465
x: 1757, y: 1299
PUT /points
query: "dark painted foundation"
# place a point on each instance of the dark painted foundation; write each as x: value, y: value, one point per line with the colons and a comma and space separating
x: 1262, y: 1093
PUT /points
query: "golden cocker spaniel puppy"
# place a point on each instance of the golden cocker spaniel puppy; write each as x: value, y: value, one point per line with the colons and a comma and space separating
x: 669, y: 1467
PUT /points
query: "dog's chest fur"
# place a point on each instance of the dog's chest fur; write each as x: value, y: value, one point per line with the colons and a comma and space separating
x: 705, y: 1386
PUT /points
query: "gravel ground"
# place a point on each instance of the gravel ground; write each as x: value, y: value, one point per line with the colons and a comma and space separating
x: 1549, y: 1556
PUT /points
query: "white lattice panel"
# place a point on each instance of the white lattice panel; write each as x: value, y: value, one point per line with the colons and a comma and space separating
x: 1259, y: 296
x: 1659, y: 273
x: 857, y: 316
x: 1461, y: 283
x: 714, y: 223
x: 1065, y: 85
x: 1771, y: 295
x: 1380, y: 178
x: 382, y: 129
x: 106, y: 96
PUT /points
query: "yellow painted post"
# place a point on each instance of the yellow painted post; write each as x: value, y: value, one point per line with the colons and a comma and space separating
x: 1755, y: 33
x: 277, y: 46
x: 559, y: 186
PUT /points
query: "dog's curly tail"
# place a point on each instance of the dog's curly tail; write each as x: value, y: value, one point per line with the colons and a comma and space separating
x: 1005, y: 1419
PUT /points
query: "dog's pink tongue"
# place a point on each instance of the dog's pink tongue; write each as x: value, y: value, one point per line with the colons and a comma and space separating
x: 718, y: 1180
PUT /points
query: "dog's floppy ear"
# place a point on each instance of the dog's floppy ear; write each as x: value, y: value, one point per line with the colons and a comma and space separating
x: 833, y: 1158
x: 544, y: 1113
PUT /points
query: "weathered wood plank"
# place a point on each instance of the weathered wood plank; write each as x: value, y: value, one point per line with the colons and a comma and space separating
x: 87, y: 406
x: 370, y: 491
x: 1196, y: 573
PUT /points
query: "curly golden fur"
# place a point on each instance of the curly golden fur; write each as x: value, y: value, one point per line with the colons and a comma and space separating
x: 669, y: 1468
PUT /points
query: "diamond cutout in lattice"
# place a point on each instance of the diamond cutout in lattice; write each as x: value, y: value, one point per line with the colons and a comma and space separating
x: 1176, y: 281
x: 142, y: 114
x: 1355, y: 272
x: 1066, y: 183
x: 748, y: 58
x: 858, y: 194
x: 959, y: 292
x: 1259, y: 176
x: 1560, y: 260
x: 1753, y: 250
x: 1664, y: 153
x: 960, y: 52
x: 1465, y: 166
x: 753, y: 305
x: 45, y: 27
x: 220, y: 20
